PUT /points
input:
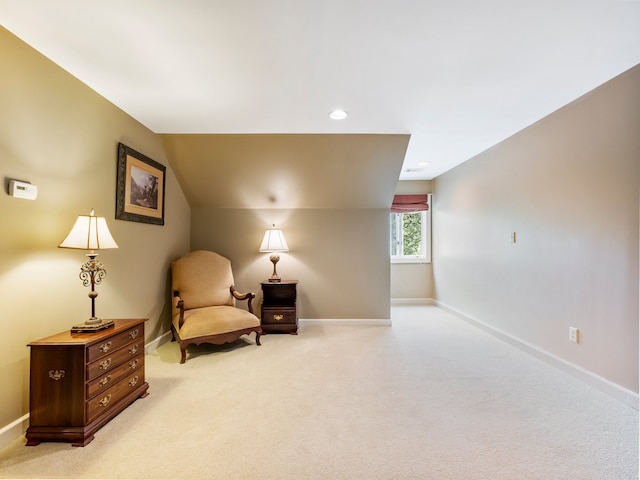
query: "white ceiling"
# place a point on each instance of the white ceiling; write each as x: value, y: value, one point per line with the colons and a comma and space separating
x: 459, y: 76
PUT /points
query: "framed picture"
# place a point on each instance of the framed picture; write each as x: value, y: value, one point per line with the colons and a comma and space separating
x: 140, y: 187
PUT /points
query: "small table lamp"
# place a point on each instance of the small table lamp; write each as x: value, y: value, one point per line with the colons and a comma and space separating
x: 274, y: 241
x: 91, y: 233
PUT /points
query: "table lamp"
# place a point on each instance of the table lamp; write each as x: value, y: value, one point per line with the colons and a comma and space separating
x: 273, y: 242
x: 91, y: 233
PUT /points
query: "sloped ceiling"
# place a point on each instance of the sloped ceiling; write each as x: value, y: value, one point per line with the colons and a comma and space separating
x: 287, y: 171
x: 459, y: 76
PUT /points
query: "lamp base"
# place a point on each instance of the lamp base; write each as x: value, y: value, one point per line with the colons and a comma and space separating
x: 92, y: 325
x: 274, y: 259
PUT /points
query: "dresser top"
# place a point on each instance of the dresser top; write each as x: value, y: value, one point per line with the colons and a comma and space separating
x: 68, y: 338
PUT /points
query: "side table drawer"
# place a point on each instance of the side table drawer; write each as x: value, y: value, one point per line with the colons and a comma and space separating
x: 278, y: 315
x: 112, y: 344
x: 104, y: 382
x: 113, y: 395
x: 109, y: 362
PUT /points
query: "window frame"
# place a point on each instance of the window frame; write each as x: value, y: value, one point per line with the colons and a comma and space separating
x: 425, y: 257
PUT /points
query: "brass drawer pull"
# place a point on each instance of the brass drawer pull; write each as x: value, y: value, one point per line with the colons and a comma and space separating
x: 105, y: 380
x: 105, y: 364
x: 105, y: 401
x: 133, y: 381
x: 133, y: 349
x: 56, y: 374
x: 133, y: 334
x: 133, y: 364
x: 105, y: 347
x: 277, y: 318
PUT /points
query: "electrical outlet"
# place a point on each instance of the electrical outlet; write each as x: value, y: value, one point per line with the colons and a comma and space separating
x: 573, y: 335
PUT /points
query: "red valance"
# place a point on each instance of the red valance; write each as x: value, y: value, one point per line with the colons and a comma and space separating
x: 410, y: 203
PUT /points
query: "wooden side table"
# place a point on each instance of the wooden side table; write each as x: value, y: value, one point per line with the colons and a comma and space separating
x: 80, y: 381
x: 278, y: 313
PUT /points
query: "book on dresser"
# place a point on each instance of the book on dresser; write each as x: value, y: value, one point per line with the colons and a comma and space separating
x: 80, y: 381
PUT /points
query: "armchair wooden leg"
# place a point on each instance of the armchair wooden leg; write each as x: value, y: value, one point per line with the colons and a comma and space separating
x: 258, y: 338
x: 184, y: 354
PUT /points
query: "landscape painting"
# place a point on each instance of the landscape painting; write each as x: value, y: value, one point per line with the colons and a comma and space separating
x: 140, y: 187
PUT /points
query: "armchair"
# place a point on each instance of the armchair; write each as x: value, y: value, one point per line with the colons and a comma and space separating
x: 204, y: 302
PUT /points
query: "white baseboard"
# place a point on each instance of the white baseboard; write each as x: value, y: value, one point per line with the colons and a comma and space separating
x: 153, y: 344
x: 15, y: 429
x: 411, y: 301
x: 606, y: 386
x: 345, y: 321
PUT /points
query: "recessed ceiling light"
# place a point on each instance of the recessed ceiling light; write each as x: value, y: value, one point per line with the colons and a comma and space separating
x: 423, y: 164
x: 338, y: 114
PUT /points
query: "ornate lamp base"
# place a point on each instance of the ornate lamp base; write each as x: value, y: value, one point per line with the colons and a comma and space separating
x: 91, y: 273
x: 92, y: 325
x: 275, y: 277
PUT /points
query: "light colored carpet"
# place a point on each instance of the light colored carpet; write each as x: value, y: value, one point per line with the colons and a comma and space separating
x: 429, y: 398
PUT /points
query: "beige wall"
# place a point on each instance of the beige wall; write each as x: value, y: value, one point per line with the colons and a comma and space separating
x: 60, y: 135
x: 287, y: 171
x: 330, y: 194
x: 568, y: 185
x: 337, y: 255
x: 412, y: 280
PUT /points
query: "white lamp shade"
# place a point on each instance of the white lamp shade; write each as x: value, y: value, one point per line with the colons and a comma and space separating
x: 274, y: 241
x: 89, y: 233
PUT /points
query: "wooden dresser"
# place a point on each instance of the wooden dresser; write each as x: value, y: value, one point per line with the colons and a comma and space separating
x: 80, y: 381
x: 278, y: 313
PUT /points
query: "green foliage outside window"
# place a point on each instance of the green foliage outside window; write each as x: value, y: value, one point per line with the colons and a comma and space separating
x: 411, y: 233
x: 406, y: 234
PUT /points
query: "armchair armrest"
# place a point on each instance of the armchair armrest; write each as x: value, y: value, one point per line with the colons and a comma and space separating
x: 179, y: 303
x: 249, y: 296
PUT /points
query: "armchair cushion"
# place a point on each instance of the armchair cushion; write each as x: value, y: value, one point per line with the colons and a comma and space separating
x: 220, y: 319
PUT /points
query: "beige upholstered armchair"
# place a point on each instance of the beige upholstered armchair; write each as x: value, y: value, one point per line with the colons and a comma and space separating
x: 204, y: 302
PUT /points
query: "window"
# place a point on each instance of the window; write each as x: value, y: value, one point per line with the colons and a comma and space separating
x: 411, y: 236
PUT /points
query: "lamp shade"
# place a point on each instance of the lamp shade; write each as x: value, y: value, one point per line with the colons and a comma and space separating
x: 274, y: 241
x: 89, y: 233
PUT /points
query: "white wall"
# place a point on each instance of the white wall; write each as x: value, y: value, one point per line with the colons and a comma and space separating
x: 412, y: 280
x: 568, y: 185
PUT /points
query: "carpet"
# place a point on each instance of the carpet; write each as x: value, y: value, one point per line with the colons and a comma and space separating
x: 430, y: 397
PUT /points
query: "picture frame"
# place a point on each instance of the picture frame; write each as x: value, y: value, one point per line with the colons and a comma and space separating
x: 139, y: 188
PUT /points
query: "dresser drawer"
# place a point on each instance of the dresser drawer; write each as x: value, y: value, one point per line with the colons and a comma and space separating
x: 104, y: 382
x: 103, y: 402
x: 112, y: 344
x: 109, y: 362
x: 278, y: 316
